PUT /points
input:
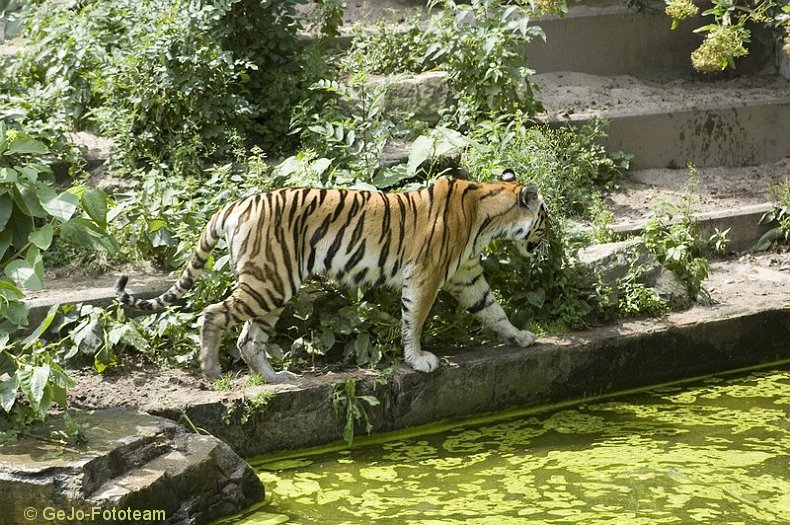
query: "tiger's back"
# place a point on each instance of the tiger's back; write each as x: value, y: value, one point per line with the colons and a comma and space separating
x: 418, y: 241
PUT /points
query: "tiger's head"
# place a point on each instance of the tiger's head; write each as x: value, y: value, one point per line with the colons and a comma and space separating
x: 524, y: 218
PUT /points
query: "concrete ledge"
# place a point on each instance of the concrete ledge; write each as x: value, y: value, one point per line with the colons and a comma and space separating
x: 749, y: 326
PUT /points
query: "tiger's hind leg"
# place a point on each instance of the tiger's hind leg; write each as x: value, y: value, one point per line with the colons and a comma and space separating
x: 243, y: 304
x: 473, y: 293
x: 253, y: 346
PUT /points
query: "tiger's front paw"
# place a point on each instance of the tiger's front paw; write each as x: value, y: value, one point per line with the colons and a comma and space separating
x: 424, y: 362
x: 522, y: 338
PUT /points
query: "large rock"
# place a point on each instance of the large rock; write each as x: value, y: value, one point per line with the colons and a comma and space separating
x: 131, y: 463
x: 420, y: 96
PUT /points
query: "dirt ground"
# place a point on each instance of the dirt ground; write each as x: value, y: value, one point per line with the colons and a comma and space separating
x: 718, y: 188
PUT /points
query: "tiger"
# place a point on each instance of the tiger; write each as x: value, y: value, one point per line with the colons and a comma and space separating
x: 419, y: 241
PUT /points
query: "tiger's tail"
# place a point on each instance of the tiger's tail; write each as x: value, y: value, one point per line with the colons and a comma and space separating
x: 208, y: 240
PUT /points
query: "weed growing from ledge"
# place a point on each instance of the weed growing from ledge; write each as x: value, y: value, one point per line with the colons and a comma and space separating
x: 779, y: 234
x: 348, y: 406
x: 672, y: 234
x: 247, y: 407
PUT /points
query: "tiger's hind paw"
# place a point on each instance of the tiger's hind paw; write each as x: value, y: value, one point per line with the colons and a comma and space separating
x: 424, y: 362
x: 283, y: 376
x: 522, y: 338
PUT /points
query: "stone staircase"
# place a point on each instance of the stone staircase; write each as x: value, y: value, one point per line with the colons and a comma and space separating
x: 608, y: 61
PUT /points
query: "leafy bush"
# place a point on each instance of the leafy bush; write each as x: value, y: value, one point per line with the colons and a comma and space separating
x: 672, y: 234
x: 33, y: 213
x: 171, y: 82
x: 29, y: 372
x: 728, y: 33
x: 345, y: 122
x: 480, y: 45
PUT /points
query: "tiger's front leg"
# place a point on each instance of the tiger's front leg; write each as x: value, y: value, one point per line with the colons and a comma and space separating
x: 473, y: 293
x: 417, y: 297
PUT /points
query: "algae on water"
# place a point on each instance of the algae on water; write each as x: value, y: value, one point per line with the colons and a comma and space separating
x: 717, y: 452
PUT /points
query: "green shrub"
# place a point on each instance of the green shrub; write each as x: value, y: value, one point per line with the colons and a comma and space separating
x: 32, y: 214
x: 479, y: 44
x: 728, y: 33
x: 173, y: 83
x: 672, y: 234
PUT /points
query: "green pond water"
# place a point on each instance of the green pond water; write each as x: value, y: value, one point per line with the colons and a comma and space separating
x: 717, y: 451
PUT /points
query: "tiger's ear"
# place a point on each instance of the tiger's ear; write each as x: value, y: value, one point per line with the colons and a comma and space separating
x: 508, y: 175
x: 528, y: 194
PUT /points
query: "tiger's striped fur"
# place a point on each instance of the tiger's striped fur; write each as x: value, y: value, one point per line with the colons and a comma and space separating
x: 419, y: 241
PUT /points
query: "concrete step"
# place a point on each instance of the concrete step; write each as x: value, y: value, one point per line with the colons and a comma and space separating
x: 93, y: 290
x: 736, y: 122
x: 743, y: 224
x: 610, y: 39
x: 716, y: 189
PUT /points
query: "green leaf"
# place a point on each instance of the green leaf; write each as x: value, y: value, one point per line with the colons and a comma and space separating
x: 82, y: 232
x: 88, y: 336
x: 31, y: 172
x: 59, y: 395
x: 128, y: 335
x: 6, y: 207
x: 8, y: 175
x: 16, y: 313
x: 103, y: 360
x: 41, y: 328
x: 61, y: 206
x: 3, y: 139
x: 43, y: 236
x: 7, y: 364
x: 24, y: 144
x: 38, y: 382
x: 370, y: 400
x: 536, y: 297
x: 390, y: 177
x: 768, y: 239
x: 421, y: 150
x: 34, y: 259
x: 27, y: 199
x: 94, y: 202
x: 19, y: 226
x: 22, y: 273
x: 8, y: 390
x: 10, y: 292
